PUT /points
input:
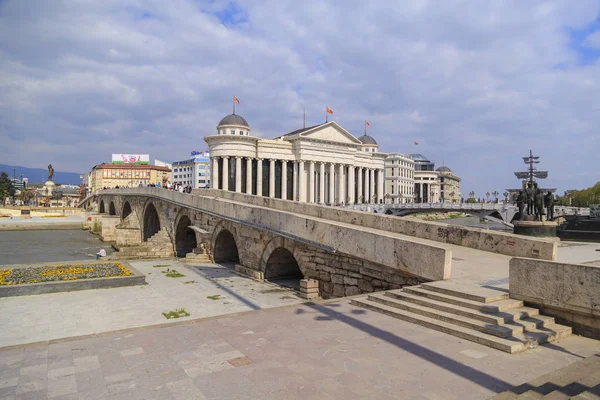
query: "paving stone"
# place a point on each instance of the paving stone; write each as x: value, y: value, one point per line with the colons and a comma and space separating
x: 61, y: 386
x: 32, y: 395
x: 122, y: 377
x: 8, y: 382
x: 131, y: 352
x: 33, y: 386
x: 83, y: 364
x: 185, y: 389
x: 59, y: 372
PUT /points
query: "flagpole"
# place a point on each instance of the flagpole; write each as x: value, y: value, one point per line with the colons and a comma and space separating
x: 365, y: 128
x: 234, y: 105
x: 326, y: 115
x: 304, y: 117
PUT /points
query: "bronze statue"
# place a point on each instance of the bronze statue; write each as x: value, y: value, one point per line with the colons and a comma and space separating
x: 50, y: 172
x: 521, y: 204
x: 549, y: 204
x: 538, y: 203
x: 529, y: 195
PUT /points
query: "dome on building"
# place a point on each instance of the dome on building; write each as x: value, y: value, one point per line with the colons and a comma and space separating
x: 366, y: 139
x: 418, y: 157
x: 234, y: 119
x: 443, y: 169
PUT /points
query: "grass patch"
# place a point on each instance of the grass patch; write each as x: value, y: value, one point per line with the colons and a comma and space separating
x: 161, y: 266
x: 181, y: 312
x: 214, y: 297
x: 189, y: 282
x: 173, y: 274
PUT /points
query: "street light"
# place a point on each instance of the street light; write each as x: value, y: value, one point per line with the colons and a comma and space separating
x: 506, y: 197
x: 495, y: 194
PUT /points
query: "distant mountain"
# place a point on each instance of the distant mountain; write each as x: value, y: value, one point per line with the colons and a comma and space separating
x: 37, y: 175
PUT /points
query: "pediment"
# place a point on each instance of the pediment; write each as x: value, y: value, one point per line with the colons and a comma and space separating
x: 330, y: 132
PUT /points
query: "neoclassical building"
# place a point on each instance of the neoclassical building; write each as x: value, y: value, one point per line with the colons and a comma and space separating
x: 434, y: 185
x: 322, y: 164
x: 399, y: 178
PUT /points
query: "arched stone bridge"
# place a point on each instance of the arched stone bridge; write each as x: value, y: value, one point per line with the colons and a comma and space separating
x: 502, y: 212
x: 348, y: 252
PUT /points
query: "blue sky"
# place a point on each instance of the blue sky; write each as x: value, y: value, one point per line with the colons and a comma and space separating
x: 477, y: 84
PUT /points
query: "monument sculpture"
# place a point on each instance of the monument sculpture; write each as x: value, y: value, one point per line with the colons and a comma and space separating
x: 531, y: 221
x: 50, y: 172
x: 49, y: 185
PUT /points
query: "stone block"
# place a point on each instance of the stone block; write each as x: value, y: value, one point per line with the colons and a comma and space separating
x: 339, y: 290
x: 324, y: 276
x: 365, y: 286
x: 337, y: 279
x: 308, y: 283
x: 352, y: 291
x: 350, y: 281
x: 327, y: 287
x: 309, y: 296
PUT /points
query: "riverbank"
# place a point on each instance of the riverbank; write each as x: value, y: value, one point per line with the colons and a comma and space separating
x: 41, y: 223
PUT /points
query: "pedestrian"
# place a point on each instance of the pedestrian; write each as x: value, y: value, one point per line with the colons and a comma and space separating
x: 101, y: 253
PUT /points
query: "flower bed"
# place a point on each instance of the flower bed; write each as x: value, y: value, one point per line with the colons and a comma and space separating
x: 62, y: 272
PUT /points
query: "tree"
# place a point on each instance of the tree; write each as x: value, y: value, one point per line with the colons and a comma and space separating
x: 7, y: 189
x: 25, y: 196
x: 471, y: 200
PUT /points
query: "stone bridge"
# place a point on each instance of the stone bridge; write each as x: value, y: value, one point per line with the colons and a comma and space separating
x: 504, y: 212
x: 348, y: 252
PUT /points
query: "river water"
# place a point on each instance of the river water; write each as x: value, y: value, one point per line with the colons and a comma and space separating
x: 23, y: 247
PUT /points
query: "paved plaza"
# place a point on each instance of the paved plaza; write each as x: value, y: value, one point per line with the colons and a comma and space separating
x: 308, y: 351
x: 28, y: 319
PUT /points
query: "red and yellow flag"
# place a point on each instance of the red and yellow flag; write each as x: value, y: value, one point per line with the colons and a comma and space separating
x: 236, y: 100
x: 329, y: 110
x: 367, y: 123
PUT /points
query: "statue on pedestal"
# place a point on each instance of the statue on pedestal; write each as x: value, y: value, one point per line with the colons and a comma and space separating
x: 50, y: 172
x: 549, y: 204
x: 538, y: 203
x: 529, y: 197
x: 521, y: 200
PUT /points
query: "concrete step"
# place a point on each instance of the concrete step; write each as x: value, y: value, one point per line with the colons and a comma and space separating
x: 481, y: 326
x: 465, y: 291
x: 512, y: 345
x: 590, y: 394
x: 493, y: 307
x: 503, y: 329
x: 564, y: 383
x: 495, y: 318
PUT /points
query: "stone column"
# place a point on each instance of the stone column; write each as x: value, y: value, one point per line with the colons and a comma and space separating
x: 341, y: 197
x: 295, y: 182
x: 421, y: 191
x: 238, y: 174
x: 379, y: 185
x: 322, y: 183
x: 284, y: 180
x: 301, y: 182
x: 259, y: 177
x: 360, y: 186
x: 225, y: 173
x: 272, y: 178
x: 249, y: 175
x: 332, y: 183
x: 351, y: 184
x: 214, y: 180
x: 371, y: 184
x: 311, y: 181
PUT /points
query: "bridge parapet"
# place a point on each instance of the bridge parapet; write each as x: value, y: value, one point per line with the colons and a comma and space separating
x: 480, y: 239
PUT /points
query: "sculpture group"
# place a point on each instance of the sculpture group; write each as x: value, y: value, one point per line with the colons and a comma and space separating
x: 536, y: 201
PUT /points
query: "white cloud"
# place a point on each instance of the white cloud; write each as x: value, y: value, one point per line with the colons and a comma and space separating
x: 593, y: 40
x: 475, y: 83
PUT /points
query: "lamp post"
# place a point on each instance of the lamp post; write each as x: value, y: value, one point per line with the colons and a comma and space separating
x: 487, y: 197
x: 495, y: 194
x: 14, y: 189
x: 471, y: 194
x: 506, y: 197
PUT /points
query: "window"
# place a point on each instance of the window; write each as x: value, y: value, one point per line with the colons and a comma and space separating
x: 233, y: 132
x: 241, y: 133
x: 222, y: 131
x: 367, y: 149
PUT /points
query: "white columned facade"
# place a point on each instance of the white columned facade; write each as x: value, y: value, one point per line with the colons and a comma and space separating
x: 341, y: 191
x: 284, y: 180
x: 301, y: 182
x: 249, y: 175
x: 311, y: 181
x: 259, y: 177
x: 351, y: 184
x: 214, y: 181
x: 295, y: 181
x: 225, y: 173
x: 371, y: 185
x: 322, y: 183
x: 380, y: 186
x: 360, y: 186
x: 238, y: 174
x: 331, y: 183
x: 271, y: 178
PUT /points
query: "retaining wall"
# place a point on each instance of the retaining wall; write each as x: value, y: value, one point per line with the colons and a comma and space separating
x: 569, y: 292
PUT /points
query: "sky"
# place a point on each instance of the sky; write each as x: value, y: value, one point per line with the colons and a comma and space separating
x: 477, y: 84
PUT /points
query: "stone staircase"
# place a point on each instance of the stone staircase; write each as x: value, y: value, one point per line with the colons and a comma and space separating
x: 580, y: 381
x: 485, y: 316
x: 197, y: 257
x: 158, y: 246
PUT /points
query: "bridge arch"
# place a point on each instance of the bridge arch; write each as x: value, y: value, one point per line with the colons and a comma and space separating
x: 225, y: 247
x: 279, y: 261
x: 151, y: 222
x: 185, y: 238
x: 111, y: 209
x: 101, y: 209
x: 126, y: 210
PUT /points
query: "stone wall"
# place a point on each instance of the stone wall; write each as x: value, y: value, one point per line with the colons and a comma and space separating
x: 480, y: 239
x: 569, y: 292
x: 109, y: 227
